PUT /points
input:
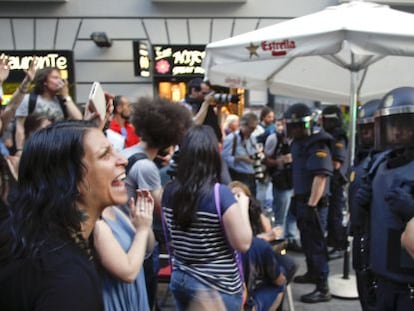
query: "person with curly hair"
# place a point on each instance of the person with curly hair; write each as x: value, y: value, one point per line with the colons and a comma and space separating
x: 160, y: 124
x: 68, y: 174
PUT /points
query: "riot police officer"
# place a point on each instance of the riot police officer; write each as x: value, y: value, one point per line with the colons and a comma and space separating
x: 332, y: 122
x: 392, y: 201
x: 359, y: 221
x: 311, y: 169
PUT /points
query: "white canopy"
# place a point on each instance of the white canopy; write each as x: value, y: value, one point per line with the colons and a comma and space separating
x: 354, y: 50
x: 313, y: 56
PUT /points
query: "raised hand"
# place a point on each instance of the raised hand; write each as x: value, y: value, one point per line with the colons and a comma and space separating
x: 92, y: 114
x: 31, y: 71
x: 141, y: 212
x: 4, y: 68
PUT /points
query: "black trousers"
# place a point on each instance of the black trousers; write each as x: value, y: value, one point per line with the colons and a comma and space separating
x: 393, y: 296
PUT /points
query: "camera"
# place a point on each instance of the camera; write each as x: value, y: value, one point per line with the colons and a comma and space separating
x: 258, y: 167
x: 226, y: 98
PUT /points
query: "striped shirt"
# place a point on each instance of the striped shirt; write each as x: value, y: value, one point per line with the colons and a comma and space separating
x: 202, y: 250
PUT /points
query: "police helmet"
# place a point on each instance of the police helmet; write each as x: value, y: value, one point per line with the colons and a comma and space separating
x: 365, y: 123
x: 299, y: 122
x: 316, y: 115
x: 331, y: 118
x: 394, y: 119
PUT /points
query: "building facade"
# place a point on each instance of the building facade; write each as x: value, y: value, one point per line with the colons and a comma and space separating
x: 56, y: 25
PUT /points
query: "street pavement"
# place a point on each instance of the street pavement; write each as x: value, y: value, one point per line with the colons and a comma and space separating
x: 336, y: 268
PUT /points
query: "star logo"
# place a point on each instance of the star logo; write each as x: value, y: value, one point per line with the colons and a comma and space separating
x: 252, y: 50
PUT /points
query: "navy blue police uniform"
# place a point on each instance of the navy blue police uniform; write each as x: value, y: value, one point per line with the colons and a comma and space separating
x: 393, y: 202
x: 366, y: 159
x: 332, y: 123
x: 311, y: 157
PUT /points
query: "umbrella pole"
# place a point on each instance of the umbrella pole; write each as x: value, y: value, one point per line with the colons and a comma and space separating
x: 344, y: 286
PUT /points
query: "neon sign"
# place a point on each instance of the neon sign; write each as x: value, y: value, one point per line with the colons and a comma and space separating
x: 142, y: 59
x: 178, y: 60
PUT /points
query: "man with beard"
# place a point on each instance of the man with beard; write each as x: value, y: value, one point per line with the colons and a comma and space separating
x: 121, y: 132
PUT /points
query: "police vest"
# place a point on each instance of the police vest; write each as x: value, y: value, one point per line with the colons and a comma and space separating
x: 388, y: 259
x: 357, y: 213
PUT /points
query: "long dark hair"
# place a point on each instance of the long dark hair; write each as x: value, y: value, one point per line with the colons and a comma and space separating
x: 50, y: 169
x: 255, y: 210
x: 199, y: 167
x: 40, y: 79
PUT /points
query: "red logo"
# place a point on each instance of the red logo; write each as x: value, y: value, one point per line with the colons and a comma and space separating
x: 278, y: 48
x: 162, y: 66
x: 232, y: 81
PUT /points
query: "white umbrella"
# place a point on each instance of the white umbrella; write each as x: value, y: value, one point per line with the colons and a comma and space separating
x: 354, y: 49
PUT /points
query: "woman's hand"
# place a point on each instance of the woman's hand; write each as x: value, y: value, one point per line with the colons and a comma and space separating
x: 141, y: 212
x: 4, y: 68
x: 92, y: 114
x: 31, y: 71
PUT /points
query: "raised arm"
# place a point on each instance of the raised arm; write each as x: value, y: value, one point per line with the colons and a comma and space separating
x: 73, y: 111
x: 19, y: 93
x: 126, y: 265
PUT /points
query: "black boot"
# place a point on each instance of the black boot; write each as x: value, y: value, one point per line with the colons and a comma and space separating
x: 294, y: 246
x: 305, y: 279
x: 320, y: 294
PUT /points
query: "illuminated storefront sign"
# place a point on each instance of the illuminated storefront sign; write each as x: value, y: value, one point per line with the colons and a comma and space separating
x: 142, y: 59
x: 178, y: 60
x: 19, y: 62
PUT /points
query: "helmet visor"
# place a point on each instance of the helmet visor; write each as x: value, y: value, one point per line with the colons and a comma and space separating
x: 366, y: 136
x: 298, y: 130
x: 394, y: 131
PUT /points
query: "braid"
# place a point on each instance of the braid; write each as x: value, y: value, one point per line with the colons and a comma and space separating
x: 83, y: 244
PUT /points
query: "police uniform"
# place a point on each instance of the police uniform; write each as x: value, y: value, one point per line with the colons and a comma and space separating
x: 311, y: 157
x: 360, y: 230
x: 389, y: 261
x: 366, y: 159
x: 332, y: 123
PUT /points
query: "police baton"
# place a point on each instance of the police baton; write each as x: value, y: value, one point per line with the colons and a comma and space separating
x: 319, y: 229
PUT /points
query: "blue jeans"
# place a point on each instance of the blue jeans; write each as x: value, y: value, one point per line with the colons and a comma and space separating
x: 187, y: 289
x: 281, y: 203
x: 264, y: 193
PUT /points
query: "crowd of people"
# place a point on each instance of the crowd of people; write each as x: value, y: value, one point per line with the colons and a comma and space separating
x: 89, y: 202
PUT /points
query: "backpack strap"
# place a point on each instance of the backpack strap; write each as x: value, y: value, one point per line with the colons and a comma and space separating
x: 32, y: 103
x: 62, y: 103
x: 234, y: 146
x: 134, y: 158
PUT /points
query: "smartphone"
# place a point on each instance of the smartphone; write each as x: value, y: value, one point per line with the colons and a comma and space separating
x: 97, y: 102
